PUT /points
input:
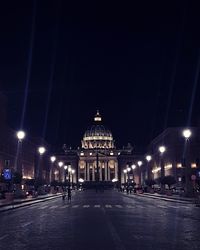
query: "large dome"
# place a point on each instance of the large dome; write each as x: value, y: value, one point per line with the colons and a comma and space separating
x: 97, y: 136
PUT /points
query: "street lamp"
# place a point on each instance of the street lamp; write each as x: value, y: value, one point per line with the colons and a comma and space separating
x: 41, y: 150
x: 140, y: 172
x: 20, y: 136
x: 162, y: 150
x: 148, y: 158
x: 65, y: 168
x: 60, y: 164
x: 187, y: 134
x: 125, y: 172
x: 133, y: 166
x: 52, y: 159
x: 73, y: 172
x: 128, y: 172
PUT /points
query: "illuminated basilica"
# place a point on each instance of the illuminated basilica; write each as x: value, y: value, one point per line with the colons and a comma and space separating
x: 98, y: 159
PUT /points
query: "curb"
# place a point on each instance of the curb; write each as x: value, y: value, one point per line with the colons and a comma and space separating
x: 161, y: 198
x: 168, y: 199
x: 26, y: 203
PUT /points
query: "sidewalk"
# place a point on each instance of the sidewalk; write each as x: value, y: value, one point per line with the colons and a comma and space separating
x: 8, y: 205
x: 171, y: 198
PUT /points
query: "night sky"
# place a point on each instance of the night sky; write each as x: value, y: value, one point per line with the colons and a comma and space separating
x: 135, y: 63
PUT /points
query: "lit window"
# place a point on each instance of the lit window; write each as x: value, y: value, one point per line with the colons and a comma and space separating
x: 168, y: 166
x: 193, y: 165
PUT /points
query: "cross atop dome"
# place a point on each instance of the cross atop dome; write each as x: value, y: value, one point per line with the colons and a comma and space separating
x: 97, y: 117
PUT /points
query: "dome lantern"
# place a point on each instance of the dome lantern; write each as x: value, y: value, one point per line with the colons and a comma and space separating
x: 97, y: 117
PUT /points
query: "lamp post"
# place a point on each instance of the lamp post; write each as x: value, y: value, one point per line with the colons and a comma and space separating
x: 139, y: 164
x: 125, y: 172
x: 65, y: 168
x: 73, y: 172
x: 187, y: 134
x: 18, y: 164
x: 133, y: 167
x: 52, y: 159
x: 60, y: 164
x: 128, y: 173
x: 162, y: 149
x: 148, y: 158
x: 69, y: 173
x: 41, y: 151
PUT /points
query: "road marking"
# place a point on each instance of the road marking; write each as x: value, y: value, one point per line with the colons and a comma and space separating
x: 97, y: 205
x: 53, y: 207
x: 3, y: 237
x: 172, y: 206
x: 75, y: 206
x: 187, y: 207
x: 43, y: 207
x: 26, y: 224
x: 65, y: 206
x: 108, y: 206
x: 118, y: 206
x: 161, y: 206
x: 129, y: 206
x: 86, y: 206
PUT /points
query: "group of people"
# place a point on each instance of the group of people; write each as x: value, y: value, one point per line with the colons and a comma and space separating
x: 67, y: 193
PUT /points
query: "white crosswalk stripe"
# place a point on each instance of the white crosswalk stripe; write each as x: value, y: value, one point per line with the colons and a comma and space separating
x: 129, y: 206
x: 52, y: 207
x: 97, y: 206
x: 108, y: 206
x: 118, y: 206
x: 43, y: 207
x: 75, y: 206
x: 161, y: 206
x: 65, y: 206
x: 86, y: 206
x: 172, y: 207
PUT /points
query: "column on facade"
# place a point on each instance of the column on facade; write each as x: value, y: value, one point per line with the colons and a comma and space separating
x: 93, y: 172
x: 103, y: 170
x: 100, y: 171
x: 116, y: 171
x: 105, y: 167
x: 85, y: 171
x: 88, y: 171
x: 108, y: 173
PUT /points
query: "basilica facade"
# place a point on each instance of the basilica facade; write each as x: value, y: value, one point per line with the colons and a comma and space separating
x: 98, y: 159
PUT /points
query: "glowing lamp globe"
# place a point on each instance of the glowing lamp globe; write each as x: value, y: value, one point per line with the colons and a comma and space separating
x: 187, y: 133
x: 41, y: 150
x: 148, y: 157
x: 21, y: 135
x: 162, y: 149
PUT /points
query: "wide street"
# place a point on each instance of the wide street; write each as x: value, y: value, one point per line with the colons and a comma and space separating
x: 97, y: 221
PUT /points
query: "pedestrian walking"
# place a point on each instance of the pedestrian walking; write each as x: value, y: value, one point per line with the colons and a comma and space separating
x: 63, y: 195
x: 69, y: 194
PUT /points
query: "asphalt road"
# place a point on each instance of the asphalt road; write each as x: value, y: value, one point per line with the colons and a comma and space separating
x: 101, y: 221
